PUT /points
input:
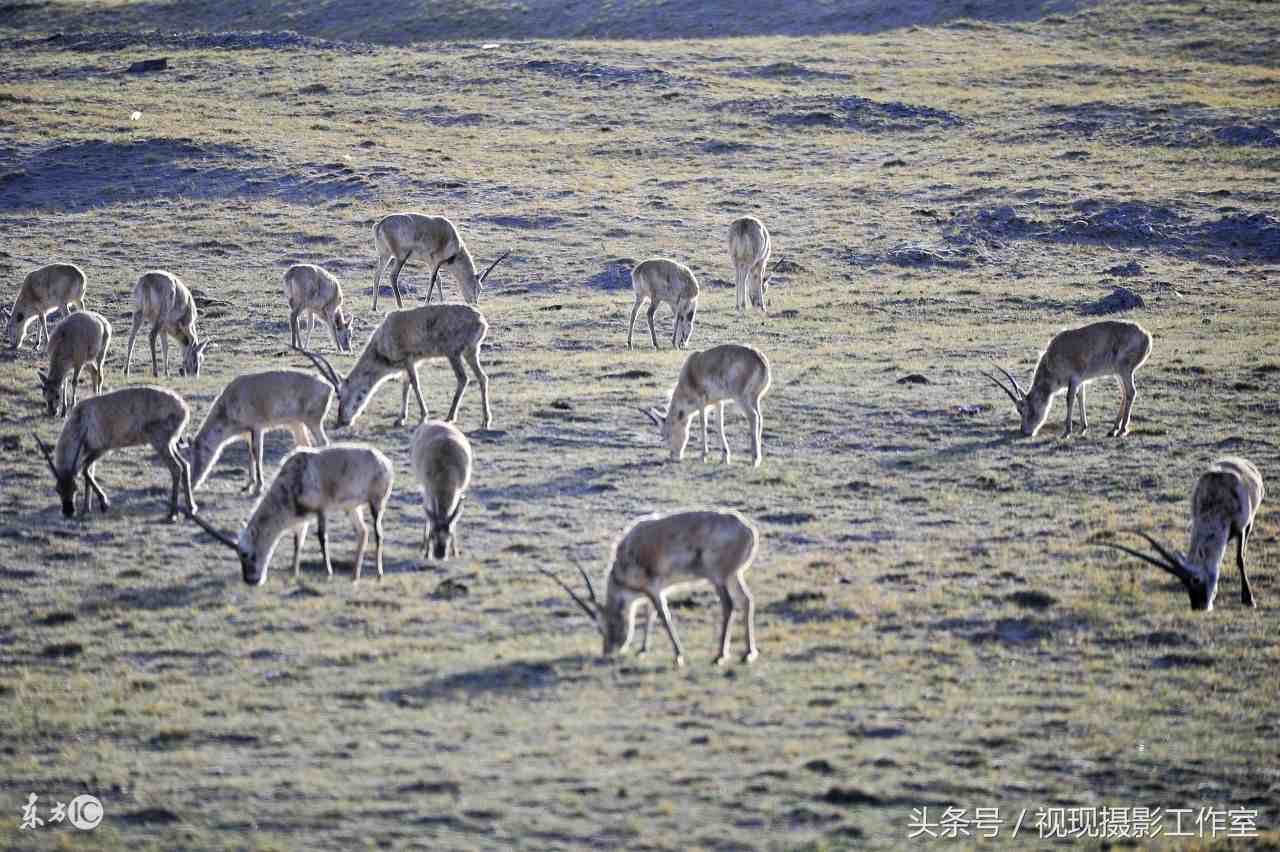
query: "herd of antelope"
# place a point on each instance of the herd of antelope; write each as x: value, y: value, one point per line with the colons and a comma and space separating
x: 653, y: 555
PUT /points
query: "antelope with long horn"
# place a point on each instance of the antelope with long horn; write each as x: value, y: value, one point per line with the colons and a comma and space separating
x: 660, y: 552
x: 58, y: 285
x: 1074, y: 358
x: 314, y: 292
x: 312, y: 482
x: 749, y: 248
x: 441, y: 460
x: 664, y: 281
x: 162, y: 299
x: 399, y: 236
x: 81, y: 340
x: 1223, y: 507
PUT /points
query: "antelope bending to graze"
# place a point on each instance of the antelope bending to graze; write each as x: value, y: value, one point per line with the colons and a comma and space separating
x: 404, y: 339
x: 164, y: 301
x: 658, y: 553
x: 310, y: 483
x: 434, y: 238
x: 660, y: 280
x: 314, y: 292
x: 128, y: 417
x: 58, y: 285
x: 81, y: 340
x: 1074, y: 358
x: 253, y: 404
x: 749, y: 247
x: 710, y: 377
x: 1223, y: 507
x: 441, y: 457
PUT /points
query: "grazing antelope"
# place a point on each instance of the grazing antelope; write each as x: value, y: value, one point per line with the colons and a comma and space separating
x: 314, y: 292
x: 729, y: 371
x: 441, y: 457
x: 310, y: 483
x: 749, y: 247
x: 658, y: 553
x: 1223, y: 507
x: 435, y: 238
x: 253, y: 404
x: 163, y: 300
x: 81, y: 340
x: 128, y: 417
x: 660, y: 280
x: 1074, y: 358
x: 58, y: 285
x: 404, y: 339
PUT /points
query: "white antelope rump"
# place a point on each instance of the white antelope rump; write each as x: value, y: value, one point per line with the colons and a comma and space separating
x: 434, y: 238
x: 164, y: 301
x: 1074, y: 358
x: 709, y: 378
x: 312, y: 482
x: 749, y: 248
x: 404, y: 339
x: 441, y: 458
x: 314, y: 292
x: 81, y: 340
x: 58, y: 285
x: 664, y: 281
x: 658, y: 553
x: 1223, y: 507
x: 253, y: 404
x: 128, y: 417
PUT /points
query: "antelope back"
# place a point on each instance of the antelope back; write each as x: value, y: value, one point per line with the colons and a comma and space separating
x: 748, y: 241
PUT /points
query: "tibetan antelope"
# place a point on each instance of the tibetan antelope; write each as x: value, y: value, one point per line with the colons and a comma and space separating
x: 1223, y: 507
x: 128, y: 417
x: 310, y: 483
x: 253, y: 404
x: 314, y: 292
x: 164, y: 301
x: 749, y: 247
x: 441, y: 458
x: 434, y: 238
x: 81, y: 340
x: 404, y: 339
x: 1074, y: 358
x: 658, y: 553
x: 708, y: 378
x: 664, y: 281
x: 58, y: 285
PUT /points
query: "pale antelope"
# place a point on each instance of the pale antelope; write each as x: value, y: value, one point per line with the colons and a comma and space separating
x: 253, y: 404
x: 436, y: 240
x: 1074, y: 358
x: 749, y: 248
x: 664, y: 281
x: 58, y: 285
x: 310, y: 483
x: 1223, y: 507
x: 658, y: 553
x: 708, y: 378
x: 81, y: 340
x: 314, y: 292
x: 404, y: 339
x: 128, y: 417
x: 164, y: 301
x: 441, y: 458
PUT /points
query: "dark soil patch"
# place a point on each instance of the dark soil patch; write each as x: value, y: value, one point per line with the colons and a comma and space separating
x: 616, y: 275
x: 1182, y: 661
x: 1119, y: 299
x: 1032, y: 600
x: 788, y: 71
x: 589, y: 72
x: 843, y: 113
x: 104, y: 42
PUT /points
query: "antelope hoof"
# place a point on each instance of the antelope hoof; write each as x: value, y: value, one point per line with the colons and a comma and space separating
x: 750, y: 656
x: 679, y: 661
x: 400, y: 421
x: 1247, y: 600
x: 173, y: 517
x: 720, y: 660
x: 1084, y: 430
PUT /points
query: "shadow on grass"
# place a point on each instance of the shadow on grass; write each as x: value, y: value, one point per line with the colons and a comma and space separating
x: 516, y: 675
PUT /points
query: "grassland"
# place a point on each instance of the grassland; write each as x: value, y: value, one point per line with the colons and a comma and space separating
x: 935, y: 626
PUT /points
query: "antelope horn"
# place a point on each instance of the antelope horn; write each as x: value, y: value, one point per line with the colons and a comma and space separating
x: 492, y: 265
x: 590, y: 589
x: 453, y: 516
x: 48, y: 455
x: 322, y: 364
x: 435, y: 274
x: 1172, y: 559
x: 1000, y: 385
x: 587, y: 608
x: 214, y: 531
x: 1012, y: 381
x: 776, y: 264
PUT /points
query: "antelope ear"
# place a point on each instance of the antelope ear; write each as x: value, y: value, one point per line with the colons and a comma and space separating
x: 44, y: 377
x: 652, y: 414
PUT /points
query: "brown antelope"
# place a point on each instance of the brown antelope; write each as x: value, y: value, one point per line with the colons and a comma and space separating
x: 404, y: 339
x: 749, y: 247
x: 708, y: 378
x: 314, y: 292
x: 664, y: 281
x: 658, y: 553
x: 81, y: 340
x: 1223, y: 507
x: 434, y: 238
x: 128, y: 417
x: 58, y: 285
x: 1074, y: 358
x: 441, y: 458
x: 253, y: 404
x: 310, y: 483
x: 164, y: 301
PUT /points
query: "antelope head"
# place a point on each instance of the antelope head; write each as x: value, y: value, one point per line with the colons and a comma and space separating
x: 342, y: 324
x: 66, y: 480
x: 52, y: 393
x: 673, y: 425
x: 252, y: 569
x: 1201, y: 586
x: 1032, y: 407
x: 333, y: 377
x: 193, y: 358
x: 442, y: 531
x: 611, y: 621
